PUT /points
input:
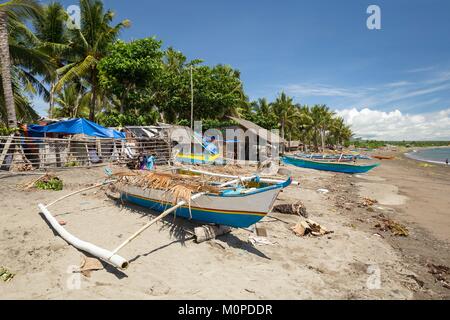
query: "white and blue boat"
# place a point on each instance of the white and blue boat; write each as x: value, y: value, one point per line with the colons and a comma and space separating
x: 238, y: 206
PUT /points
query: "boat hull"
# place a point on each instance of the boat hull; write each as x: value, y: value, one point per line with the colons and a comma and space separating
x: 230, y: 210
x: 198, y: 159
x: 327, y: 166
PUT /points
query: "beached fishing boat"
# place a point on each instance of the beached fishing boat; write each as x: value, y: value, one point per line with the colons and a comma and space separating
x: 239, y: 204
x: 384, y: 157
x: 198, y: 158
x: 339, y: 157
x: 328, y: 166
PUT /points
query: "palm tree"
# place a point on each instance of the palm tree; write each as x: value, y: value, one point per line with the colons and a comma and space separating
x: 89, y: 45
x: 51, y: 32
x: 11, y: 13
x: 321, y: 116
x: 72, y: 101
x: 282, y: 108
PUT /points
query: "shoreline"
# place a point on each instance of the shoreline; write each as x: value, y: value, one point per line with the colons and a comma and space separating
x: 410, y: 154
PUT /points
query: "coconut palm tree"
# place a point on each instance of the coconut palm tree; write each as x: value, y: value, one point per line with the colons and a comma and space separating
x: 72, y: 102
x: 11, y: 14
x: 321, y: 116
x: 282, y: 108
x: 51, y: 32
x: 89, y: 45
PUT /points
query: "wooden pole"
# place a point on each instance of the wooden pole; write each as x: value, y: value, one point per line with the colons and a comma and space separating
x: 5, y: 149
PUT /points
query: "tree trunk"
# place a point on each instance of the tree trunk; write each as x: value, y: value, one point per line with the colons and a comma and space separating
x: 94, y: 98
x: 5, y: 62
x: 322, y: 133
x: 52, y: 100
x: 282, y: 136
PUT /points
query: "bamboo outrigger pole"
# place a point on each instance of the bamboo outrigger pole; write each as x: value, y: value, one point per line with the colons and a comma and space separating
x: 112, y: 257
x: 96, y: 251
x: 172, y: 209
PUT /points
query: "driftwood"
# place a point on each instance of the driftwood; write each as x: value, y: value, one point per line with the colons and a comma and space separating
x: 205, y: 233
x: 294, y: 208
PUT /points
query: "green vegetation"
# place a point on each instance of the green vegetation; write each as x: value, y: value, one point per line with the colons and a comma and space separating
x: 89, y: 73
x: 373, y: 144
x: 52, y: 183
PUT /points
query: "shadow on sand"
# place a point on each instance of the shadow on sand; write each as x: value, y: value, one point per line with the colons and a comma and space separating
x: 183, y: 230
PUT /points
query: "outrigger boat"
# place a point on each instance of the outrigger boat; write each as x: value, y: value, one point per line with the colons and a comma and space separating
x: 239, y: 203
x: 328, y: 166
x: 204, y: 158
x: 333, y: 157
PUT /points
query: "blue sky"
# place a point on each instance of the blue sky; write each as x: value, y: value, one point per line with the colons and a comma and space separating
x: 317, y: 51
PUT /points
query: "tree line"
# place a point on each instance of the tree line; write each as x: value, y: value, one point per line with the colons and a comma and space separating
x: 88, y: 72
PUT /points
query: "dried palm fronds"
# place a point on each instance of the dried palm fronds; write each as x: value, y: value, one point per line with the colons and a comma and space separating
x: 179, y: 186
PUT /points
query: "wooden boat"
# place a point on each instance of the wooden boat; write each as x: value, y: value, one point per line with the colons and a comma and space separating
x: 332, y: 157
x: 235, y: 206
x: 384, y: 157
x: 328, y: 166
x: 204, y: 158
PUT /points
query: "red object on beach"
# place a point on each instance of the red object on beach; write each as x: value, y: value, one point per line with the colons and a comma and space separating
x: 62, y: 222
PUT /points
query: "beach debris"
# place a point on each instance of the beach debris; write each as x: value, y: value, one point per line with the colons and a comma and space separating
x: 307, y: 227
x: 62, y: 222
x: 260, y: 241
x: 440, y: 273
x: 378, y: 235
x: 323, y: 191
x: 205, y: 233
x: 367, y: 202
x: 396, y: 228
x: 419, y: 282
x: 297, y: 208
x: 426, y: 165
x: 5, y: 274
x: 88, y: 265
x: 261, y: 232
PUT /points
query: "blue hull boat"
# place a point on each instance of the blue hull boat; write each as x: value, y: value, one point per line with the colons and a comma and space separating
x: 328, y: 166
x: 234, y: 207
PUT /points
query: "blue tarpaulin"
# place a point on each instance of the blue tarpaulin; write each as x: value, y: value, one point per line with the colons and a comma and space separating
x: 76, y: 126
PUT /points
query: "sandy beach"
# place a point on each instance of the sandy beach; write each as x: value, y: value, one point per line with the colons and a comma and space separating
x: 356, y: 261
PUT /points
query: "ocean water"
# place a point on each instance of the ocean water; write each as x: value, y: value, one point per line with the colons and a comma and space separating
x: 437, y: 155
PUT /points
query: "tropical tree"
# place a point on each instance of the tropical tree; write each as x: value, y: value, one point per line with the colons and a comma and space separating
x: 321, y: 116
x: 131, y: 71
x: 51, y: 32
x: 283, y: 108
x: 12, y: 14
x: 72, y: 102
x: 90, y: 44
x: 339, y: 131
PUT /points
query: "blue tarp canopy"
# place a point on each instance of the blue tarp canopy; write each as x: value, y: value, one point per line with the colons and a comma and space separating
x: 76, y: 126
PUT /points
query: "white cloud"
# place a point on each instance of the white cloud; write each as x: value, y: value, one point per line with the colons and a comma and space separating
x: 319, y: 90
x: 394, y: 125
